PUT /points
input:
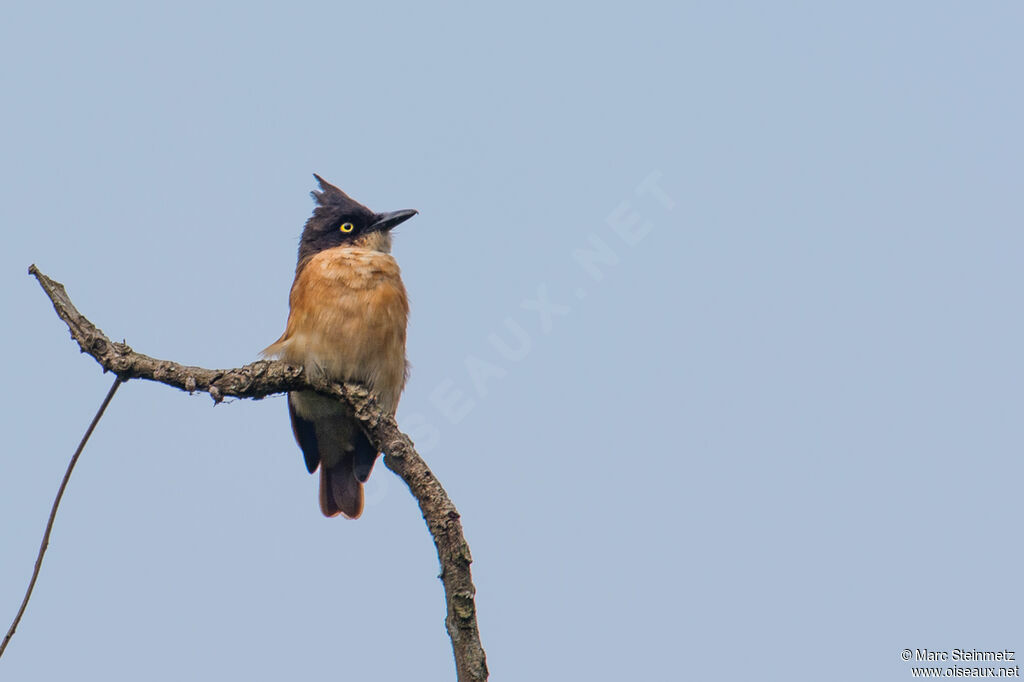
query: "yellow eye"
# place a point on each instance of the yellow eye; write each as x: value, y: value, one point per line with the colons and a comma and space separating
x: 347, y: 227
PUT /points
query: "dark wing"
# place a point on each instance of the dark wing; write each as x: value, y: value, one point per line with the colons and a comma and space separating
x: 305, y: 436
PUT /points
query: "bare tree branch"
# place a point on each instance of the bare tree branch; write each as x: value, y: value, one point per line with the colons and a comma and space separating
x: 53, y: 512
x: 265, y: 377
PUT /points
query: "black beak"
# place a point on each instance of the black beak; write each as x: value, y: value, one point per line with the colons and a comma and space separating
x: 387, y: 221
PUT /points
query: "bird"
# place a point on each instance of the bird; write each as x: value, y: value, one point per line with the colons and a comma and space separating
x: 347, y: 319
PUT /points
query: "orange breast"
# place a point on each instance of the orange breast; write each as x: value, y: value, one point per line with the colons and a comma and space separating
x: 348, y: 317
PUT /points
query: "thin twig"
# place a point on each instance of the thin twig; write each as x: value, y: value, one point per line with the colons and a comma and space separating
x: 265, y: 377
x: 53, y: 510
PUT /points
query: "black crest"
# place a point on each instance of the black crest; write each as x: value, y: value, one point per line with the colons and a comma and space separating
x: 333, y: 209
x: 339, y: 219
x: 331, y: 197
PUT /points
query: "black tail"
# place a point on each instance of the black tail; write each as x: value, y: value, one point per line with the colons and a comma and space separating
x: 340, y: 492
x: 341, y: 483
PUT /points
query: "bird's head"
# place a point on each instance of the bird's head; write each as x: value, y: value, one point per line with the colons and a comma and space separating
x: 340, y: 220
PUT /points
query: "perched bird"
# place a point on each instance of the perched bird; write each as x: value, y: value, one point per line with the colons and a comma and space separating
x: 347, y: 319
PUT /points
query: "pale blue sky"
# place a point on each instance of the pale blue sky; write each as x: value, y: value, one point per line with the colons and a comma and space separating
x: 775, y: 434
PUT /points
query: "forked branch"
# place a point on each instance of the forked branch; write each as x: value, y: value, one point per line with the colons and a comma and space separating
x: 266, y: 377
